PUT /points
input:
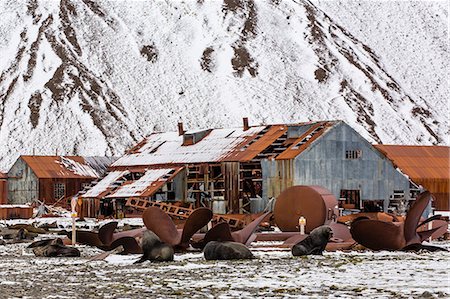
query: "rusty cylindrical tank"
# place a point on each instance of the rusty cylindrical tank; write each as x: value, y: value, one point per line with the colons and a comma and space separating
x: 315, y: 203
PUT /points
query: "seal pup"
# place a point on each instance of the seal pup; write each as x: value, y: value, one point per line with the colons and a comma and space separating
x: 215, y: 250
x: 153, y: 249
x: 315, y: 243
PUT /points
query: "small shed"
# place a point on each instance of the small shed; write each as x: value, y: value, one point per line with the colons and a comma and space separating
x: 428, y: 166
x: 52, y: 179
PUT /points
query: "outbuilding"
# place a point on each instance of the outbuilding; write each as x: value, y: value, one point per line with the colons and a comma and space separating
x: 427, y: 166
x: 52, y: 179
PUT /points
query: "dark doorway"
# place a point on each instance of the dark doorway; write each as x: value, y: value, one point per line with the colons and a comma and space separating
x: 352, y: 198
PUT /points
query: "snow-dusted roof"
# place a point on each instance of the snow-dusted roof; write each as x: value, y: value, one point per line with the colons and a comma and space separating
x: 68, y: 167
x: 168, y: 148
x: 152, y: 180
x: 104, y: 184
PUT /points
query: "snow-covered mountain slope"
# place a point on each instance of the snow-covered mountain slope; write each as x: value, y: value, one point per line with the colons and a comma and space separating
x: 93, y: 77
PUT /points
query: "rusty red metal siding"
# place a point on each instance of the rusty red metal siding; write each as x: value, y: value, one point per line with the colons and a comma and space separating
x: 3, y: 188
x: 47, y: 190
x: 428, y: 166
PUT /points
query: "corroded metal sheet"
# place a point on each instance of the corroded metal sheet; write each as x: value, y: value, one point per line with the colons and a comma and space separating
x: 52, y: 167
x: 295, y: 149
x: 250, y: 152
x: 428, y: 166
x: 315, y: 203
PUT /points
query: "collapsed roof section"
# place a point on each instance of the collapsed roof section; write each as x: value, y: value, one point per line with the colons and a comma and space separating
x: 147, y: 185
x: 135, y: 183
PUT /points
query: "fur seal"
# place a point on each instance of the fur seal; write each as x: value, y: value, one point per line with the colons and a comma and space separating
x: 315, y: 243
x: 154, y: 250
x: 215, y: 250
x: 53, y: 248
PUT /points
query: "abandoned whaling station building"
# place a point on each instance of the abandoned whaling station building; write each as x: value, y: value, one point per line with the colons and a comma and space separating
x: 52, y: 179
x: 427, y: 166
x: 238, y: 170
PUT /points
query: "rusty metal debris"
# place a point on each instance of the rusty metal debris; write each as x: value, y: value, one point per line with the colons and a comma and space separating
x: 380, y: 235
x: 162, y: 225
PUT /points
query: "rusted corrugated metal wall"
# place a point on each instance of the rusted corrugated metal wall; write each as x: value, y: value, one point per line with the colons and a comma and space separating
x: 428, y: 166
x: 47, y: 189
x: 278, y: 175
x: 3, y: 188
x: 325, y: 163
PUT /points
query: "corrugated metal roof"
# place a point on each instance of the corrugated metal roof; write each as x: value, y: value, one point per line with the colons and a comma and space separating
x: 67, y: 167
x: 419, y: 162
x: 168, y: 148
x: 305, y: 140
x: 147, y: 185
x: 102, y: 187
x: 219, y: 145
x: 250, y: 150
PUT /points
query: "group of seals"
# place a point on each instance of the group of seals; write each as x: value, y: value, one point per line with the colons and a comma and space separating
x: 53, y: 248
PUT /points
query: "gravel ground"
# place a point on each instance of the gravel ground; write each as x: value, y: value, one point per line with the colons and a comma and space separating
x: 274, y: 274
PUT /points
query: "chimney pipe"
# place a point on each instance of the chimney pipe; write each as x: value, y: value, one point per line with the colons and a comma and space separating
x: 180, y: 129
x: 245, y: 121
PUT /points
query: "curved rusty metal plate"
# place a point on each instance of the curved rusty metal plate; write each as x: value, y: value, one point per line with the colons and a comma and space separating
x: 87, y: 238
x: 413, y: 217
x: 243, y: 235
x: 315, y: 203
x: 220, y: 232
x: 130, y: 245
x: 378, y: 235
x: 196, y: 220
x: 105, y: 233
x: 162, y: 225
x: 341, y: 231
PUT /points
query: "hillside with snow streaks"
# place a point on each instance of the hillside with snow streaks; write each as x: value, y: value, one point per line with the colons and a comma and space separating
x: 94, y: 77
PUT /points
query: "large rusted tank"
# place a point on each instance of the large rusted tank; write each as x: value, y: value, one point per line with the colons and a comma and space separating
x: 315, y: 203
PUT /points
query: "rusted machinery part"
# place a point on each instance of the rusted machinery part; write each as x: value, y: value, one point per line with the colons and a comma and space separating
x: 341, y: 231
x: 332, y: 246
x: 275, y: 236
x: 130, y: 245
x: 378, y: 235
x: 413, y: 217
x: 442, y: 226
x: 135, y: 233
x: 219, y: 232
x: 162, y: 225
x: 417, y: 247
x: 294, y: 240
x: 315, y: 203
x: 87, y: 238
x: 196, y: 220
x: 105, y: 233
x: 243, y: 235
x: 386, y: 217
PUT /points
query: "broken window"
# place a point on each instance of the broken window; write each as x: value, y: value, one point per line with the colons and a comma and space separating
x: 353, y: 154
x: 59, y: 190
